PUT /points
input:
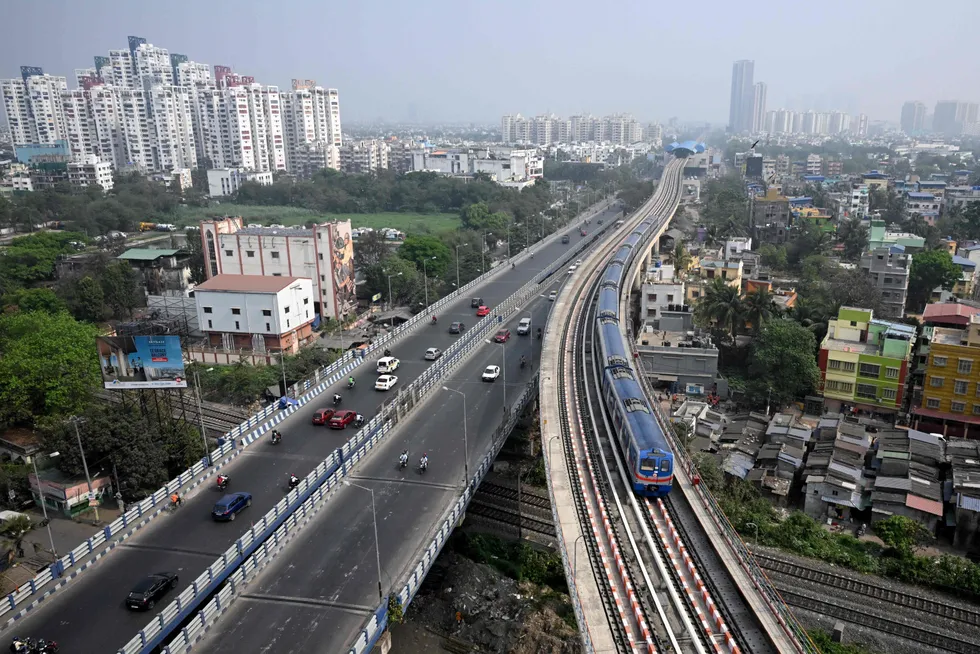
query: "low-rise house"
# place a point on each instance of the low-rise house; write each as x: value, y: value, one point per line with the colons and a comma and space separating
x: 964, y: 458
x: 834, y: 478
x: 907, y: 477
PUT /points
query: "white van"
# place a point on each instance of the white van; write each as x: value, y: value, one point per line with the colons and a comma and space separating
x: 387, y: 364
x: 524, y: 326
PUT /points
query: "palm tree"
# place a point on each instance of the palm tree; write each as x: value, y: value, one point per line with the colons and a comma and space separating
x: 681, y: 257
x: 760, y: 307
x: 721, y: 305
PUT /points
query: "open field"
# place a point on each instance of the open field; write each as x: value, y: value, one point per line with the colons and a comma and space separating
x: 410, y: 223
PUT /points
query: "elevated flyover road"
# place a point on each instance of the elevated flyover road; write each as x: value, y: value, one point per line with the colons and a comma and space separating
x: 317, y: 594
x: 89, y: 613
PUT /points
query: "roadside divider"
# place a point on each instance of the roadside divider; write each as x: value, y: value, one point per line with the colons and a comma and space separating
x: 352, y: 451
x: 32, y: 593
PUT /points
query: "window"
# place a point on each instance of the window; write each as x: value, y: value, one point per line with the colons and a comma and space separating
x: 652, y: 297
x: 976, y: 409
x: 274, y: 254
x: 939, y: 362
x: 964, y: 366
x: 249, y: 253
x: 236, y: 325
x: 268, y: 328
x: 848, y: 366
x: 891, y: 373
x: 286, y: 310
x: 959, y: 387
x: 321, y: 256
x: 957, y: 407
x: 266, y: 312
x: 834, y: 364
x: 236, y: 312
x: 870, y: 370
x: 210, y: 325
x: 323, y: 278
x: 932, y: 403
x: 307, y: 313
x: 287, y: 322
x: 277, y: 274
x: 306, y: 300
x: 229, y: 253
x: 208, y: 310
x: 937, y: 382
x: 867, y: 391
x: 889, y: 393
x: 839, y: 386
x: 670, y: 298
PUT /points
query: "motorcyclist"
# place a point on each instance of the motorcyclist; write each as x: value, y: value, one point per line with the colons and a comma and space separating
x: 276, y: 436
x: 18, y: 645
x: 513, y: 265
x: 223, y: 480
x: 350, y: 382
x: 434, y: 319
x: 293, y: 480
x: 387, y: 352
x: 424, y: 462
x: 175, y: 500
x: 403, y: 458
x: 539, y: 333
x: 358, y: 420
x: 336, y: 398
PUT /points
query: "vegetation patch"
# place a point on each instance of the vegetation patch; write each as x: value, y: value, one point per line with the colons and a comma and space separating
x: 515, y: 560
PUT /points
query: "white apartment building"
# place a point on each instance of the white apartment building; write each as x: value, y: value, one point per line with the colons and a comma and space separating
x: 173, y: 131
x: 369, y: 156
x: 307, y: 158
x: 854, y: 203
x: 620, y: 129
x: 263, y: 314
x: 110, y: 132
x: 152, y: 66
x: 515, y: 166
x: 324, y: 254
x: 18, y: 110
x: 734, y: 247
x: 814, y: 164
x: 658, y: 292
x: 275, y: 136
x: 88, y: 171
x: 120, y: 71
x: 137, y: 130
x: 192, y: 73
x: 44, y: 95
x: 223, y: 182
x: 79, y: 123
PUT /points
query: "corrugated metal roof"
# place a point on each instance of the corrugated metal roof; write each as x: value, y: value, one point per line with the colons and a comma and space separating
x: 922, y: 504
x: 146, y: 254
x: 894, y: 483
x: 968, y: 502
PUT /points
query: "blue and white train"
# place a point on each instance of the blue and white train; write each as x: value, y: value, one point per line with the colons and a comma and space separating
x: 636, y: 430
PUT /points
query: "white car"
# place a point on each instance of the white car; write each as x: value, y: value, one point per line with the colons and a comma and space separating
x: 385, y: 382
x: 432, y: 354
x: 573, y: 269
x: 578, y: 262
x: 491, y: 373
x: 552, y: 295
x: 524, y: 326
x: 388, y: 364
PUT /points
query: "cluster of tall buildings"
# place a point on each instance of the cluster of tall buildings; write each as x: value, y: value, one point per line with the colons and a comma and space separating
x: 950, y: 118
x: 747, y: 111
x: 146, y: 109
x: 620, y: 129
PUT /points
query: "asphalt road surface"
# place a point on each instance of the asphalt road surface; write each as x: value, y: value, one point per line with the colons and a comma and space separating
x: 319, y: 592
x: 89, y: 615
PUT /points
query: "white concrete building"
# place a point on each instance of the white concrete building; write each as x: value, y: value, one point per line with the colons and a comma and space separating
x: 18, y: 110
x: 814, y: 164
x: 274, y: 134
x: 152, y: 65
x: 110, y: 132
x: 307, y: 158
x: 369, y: 156
x: 223, y: 182
x: 120, y: 71
x: 79, y: 123
x: 88, y: 171
x: 173, y: 140
x: 324, y: 254
x: 192, y: 73
x: 734, y: 247
x: 137, y: 129
x: 256, y: 312
x: 659, y: 291
x: 44, y: 95
x: 515, y: 166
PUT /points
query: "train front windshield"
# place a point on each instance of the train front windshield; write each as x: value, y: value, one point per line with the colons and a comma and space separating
x: 648, y: 465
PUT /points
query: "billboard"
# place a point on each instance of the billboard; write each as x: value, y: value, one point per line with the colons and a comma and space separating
x: 141, y: 362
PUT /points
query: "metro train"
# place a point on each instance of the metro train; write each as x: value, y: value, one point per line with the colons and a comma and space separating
x: 641, y: 440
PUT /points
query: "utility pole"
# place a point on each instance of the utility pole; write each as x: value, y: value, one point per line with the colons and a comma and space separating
x: 88, y: 478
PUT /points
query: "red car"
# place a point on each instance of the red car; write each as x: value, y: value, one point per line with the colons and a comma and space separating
x: 341, y: 419
x: 583, y: 232
x: 502, y: 336
x: 483, y: 311
x: 322, y: 416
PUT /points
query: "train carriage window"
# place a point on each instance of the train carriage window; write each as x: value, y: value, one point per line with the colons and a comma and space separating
x: 620, y: 373
x: 636, y: 404
x: 665, y: 465
x: 616, y: 360
x: 609, y: 284
x: 607, y: 317
x: 648, y: 465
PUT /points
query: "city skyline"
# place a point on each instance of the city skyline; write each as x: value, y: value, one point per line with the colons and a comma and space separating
x: 406, y: 75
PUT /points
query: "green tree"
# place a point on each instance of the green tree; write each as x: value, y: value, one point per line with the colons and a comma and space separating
x: 930, y: 269
x: 782, y: 363
x: 853, y: 288
x: 120, y: 288
x: 30, y: 259
x: 759, y: 308
x: 429, y: 254
x: 773, y: 256
x: 903, y: 535
x: 371, y: 249
x: 13, y: 532
x: 855, y: 236
x: 721, y: 305
x: 85, y: 298
x: 406, y: 284
x: 48, y: 368
x: 681, y: 257
x: 34, y: 299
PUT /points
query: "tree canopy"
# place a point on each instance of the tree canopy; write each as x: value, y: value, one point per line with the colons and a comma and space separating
x: 930, y: 269
x: 782, y: 362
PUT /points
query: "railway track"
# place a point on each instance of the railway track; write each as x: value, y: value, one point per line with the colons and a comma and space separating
x: 811, y: 601
x: 511, y: 518
x: 526, y: 496
x: 879, y: 592
x: 218, y: 419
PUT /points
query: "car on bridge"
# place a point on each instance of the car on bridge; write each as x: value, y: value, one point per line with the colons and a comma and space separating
x: 524, y: 326
x: 565, y: 239
x: 432, y: 354
x: 322, y: 416
x: 502, y: 336
x: 484, y: 310
x: 552, y: 295
x: 342, y: 418
x: 231, y: 505
x: 388, y: 364
x: 457, y: 328
x: 491, y: 373
x: 145, y: 594
x: 476, y: 302
x: 385, y: 383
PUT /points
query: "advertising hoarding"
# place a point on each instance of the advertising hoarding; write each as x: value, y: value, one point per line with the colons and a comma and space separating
x: 141, y: 362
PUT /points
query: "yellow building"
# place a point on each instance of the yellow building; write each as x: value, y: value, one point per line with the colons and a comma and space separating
x: 951, y: 387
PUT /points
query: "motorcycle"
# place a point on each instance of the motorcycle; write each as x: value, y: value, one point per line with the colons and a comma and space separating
x: 523, y: 364
x: 293, y: 482
x: 276, y: 437
x: 422, y: 466
x: 222, y: 483
x: 434, y: 320
x: 48, y: 647
x: 387, y: 353
x: 350, y: 383
x: 359, y: 422
x: 336, y: 400
x: 539, y: 333
x: 402, y: 462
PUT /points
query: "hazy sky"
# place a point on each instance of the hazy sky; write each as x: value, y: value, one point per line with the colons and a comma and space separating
x: 436, y: 60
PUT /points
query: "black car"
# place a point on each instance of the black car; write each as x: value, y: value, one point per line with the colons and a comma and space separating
x: 146, y: 593
x: 456, y: 328
x: 476, y: 302
x: 564, y: 239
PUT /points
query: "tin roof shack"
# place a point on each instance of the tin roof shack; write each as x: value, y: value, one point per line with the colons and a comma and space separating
x: 740, y: 443
x: 907, y: 463
x: 964, y: 458
x: 834, y: 479
x: 67, y: 495
x: 780, y: 457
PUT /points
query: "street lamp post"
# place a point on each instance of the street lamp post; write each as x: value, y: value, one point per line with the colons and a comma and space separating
x: 483, y: 253
x: 457, y: 262
x: 575, y: 554
x: 391, y: 302
x: 88, y: 478
x: 425, y: 275
x: 44, y: 507
x: 503, y: 368
x: 466, y: 445
x: 200, y: 409
x: 377, y: 541
x: 752, y: 524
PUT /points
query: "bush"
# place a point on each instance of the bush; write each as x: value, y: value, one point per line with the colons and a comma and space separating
x: 516, y: 560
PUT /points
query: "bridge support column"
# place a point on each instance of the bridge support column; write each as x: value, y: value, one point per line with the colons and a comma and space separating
x: 383, y: 646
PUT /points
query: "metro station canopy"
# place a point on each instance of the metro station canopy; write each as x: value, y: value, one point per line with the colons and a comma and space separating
x: 685, y: 148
